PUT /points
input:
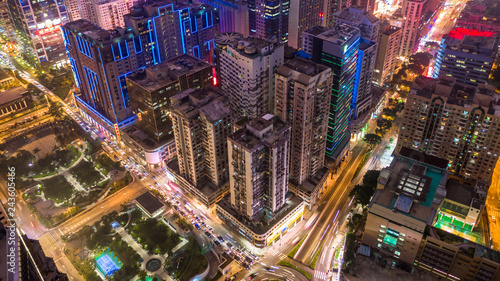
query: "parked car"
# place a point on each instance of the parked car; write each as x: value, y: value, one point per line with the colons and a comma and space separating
x: 208, y: 234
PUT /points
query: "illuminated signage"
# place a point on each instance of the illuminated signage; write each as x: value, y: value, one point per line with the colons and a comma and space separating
x: 139, y: 116
x: 117, y: 131
x: 48, y: 30
x: 459, y: 33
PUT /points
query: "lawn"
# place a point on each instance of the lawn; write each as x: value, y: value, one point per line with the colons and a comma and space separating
x: 154, y: 236
x: 46, y: 166
x: 86, y: 174
x: 287, y: 264
x: 57, y: 189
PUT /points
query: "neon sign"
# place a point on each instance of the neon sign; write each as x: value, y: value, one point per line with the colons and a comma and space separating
x: 47, y: 30
x: 459, y: 33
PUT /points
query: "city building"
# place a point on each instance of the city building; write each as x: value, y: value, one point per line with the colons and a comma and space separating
x: 106, y: 14
x: 403, y: 204
x: 150, y: 91
x: 304, y: 14
x: 74, y: 8
x: 6, y: 29
x: 360, y: 18
x: 363, y: 80
x: 247, y: 74
x: 259, y: 203
x: 233, y: 15
x: 368, y: 5
x: 31, y: 264
x: 473, y: 17
x: 5, y: 79
x: 303, y: 91
x: 14, y: 100
x: 467, y: 58
x: 413, y: 14
x: 455, y: 122
x: 460, y: 261
x: 222, y: 40
x: 100, y: 60
x: 334, y: 47
x: 269, y: 19
x: 388, y: 44
x: 150, y: 204
x: 332, y: 7
x: 258, y: 153
x: 202, y: 123
x: 167, y: 29
x: 38, y: 34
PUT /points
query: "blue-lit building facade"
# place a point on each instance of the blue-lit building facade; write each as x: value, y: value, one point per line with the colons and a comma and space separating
x: 269, y: 18
x: 100, y: 60
x: 37, y: 32
x: 336, y: 48
x: 166, y: 30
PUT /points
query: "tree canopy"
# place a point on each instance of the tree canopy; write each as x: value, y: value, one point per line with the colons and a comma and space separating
x: 372, y: 139
x: 364, y: 192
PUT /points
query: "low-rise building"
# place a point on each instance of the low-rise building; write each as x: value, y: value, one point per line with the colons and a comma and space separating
x: 5, y: 79
x: 267, y: 231
x: 150, y: 204
x: 14, y: 100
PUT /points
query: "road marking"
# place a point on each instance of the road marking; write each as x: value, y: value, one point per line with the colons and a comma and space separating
x: 320, y: 275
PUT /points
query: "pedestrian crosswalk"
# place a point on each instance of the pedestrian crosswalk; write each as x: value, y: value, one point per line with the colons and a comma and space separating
x: 275, y: 252
x: 321, y: 275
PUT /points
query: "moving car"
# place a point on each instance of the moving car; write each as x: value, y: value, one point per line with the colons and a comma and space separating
x: 221, y: 239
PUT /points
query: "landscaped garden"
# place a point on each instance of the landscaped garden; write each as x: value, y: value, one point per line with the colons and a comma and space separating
x: 57, y: 189
x: 86, y: 174
x: 154, y: 236
x: 186, y: 262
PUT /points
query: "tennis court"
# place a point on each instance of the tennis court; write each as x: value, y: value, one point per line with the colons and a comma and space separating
x: 107, y: 263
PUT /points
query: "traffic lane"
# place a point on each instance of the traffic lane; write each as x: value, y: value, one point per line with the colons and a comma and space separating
x: 327, y: 214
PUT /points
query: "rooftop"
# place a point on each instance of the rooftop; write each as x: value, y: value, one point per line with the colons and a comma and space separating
x: 252, y: 47
x: 4, y: 75
x: 356, y: 15
x: 95, y: 34
x: 157, y: 76
x: 208, y: 102
x: 12, y: 94
x: 149, y: 202
x: 339, y: 34
x: 476, y: 45
x: 267, y: 129
x: 425, y: 158
x: 143, y: 140
x: 306, y: 69
x: 459, y: 192
x: 456, y: 93
x: 291, y: 204
x: 387, y: 29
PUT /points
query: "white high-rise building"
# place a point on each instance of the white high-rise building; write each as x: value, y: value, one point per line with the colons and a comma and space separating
x: 247, y: 75
x: 258, y: 166
x: 107, y: 14
x: 413, y: 12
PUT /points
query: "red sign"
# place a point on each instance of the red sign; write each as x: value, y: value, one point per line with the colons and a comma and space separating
x: 117, y: 131
x: 459, y: 33
x: 47, y: 30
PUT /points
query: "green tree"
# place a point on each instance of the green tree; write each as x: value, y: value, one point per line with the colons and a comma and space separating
x: 142, y: 275
x: 372, y: 139
x: 364, y: 192
x: 56, y: 109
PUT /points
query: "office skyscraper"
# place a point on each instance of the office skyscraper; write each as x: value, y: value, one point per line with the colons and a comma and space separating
x: 332, y: 7
x: 453, y: 121
x: 233, y: 15
x: 388, y: 44
x: 469, y: 59
x: 269, y: 19
x: 38, y: 34
x: 258, y: 169
x: 247, y: 75
x: 202, y: 123
x: 150, y: 91
x: 303, y: 92
x: 100, y: 61
x: 413, y: 12
x: 166, y: 30
x: 304, y: 14
x: 336, y: 48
